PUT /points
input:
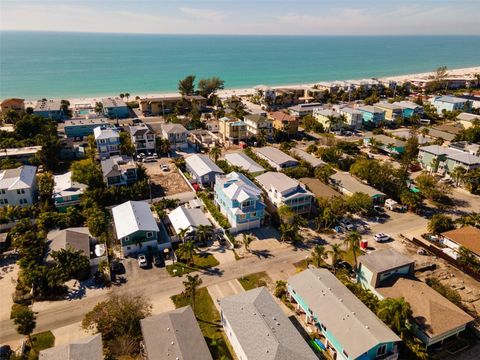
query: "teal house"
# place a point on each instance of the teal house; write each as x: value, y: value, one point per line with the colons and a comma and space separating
x: 67, y: 192
x: 371, y: 115
x: 409, y: 108
x: 136, y: 228
x: 240, y: 200
x: 347, y: 328
x: 386, y: 143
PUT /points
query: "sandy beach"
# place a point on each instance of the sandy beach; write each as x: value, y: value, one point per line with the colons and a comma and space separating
x: 248, y: 91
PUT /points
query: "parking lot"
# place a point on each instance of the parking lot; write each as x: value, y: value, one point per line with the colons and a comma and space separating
x: 165, y: 183
x: 133, y: 273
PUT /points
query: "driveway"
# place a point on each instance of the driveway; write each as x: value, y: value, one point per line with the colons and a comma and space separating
x: 8, y: 278
x: 223, y: 289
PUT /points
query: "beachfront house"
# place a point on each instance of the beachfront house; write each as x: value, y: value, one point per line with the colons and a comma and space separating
x: 386, y: 143
x: 115, y: 108
x: 353, y: 118
x: 167, y: 104
x: 143, y: 139
x: 78, y: 239
x: 136, y: 228
x: 244, y: 162
x: 12, y: 104
x: 258, y: 124
x: 451, y: 103
x: 80, y: 128
x: 283, y: 190
x: 174, y: 335
x: 240, y: 200
x: 232, y: 129
x: 177, y: 136
x: 371, y: 115
x: 107, y: 140
x: 50, y: 109
x: 276, y: 158
x: 302, y: 110
x: 202, y: 169
x: 409, y: 108
x: 443, y: 160
x: 185, y: 219
x: 67, y: 192
x: 119, y: 170
x: 348, y: 329
x: 389, y: 274
x: 257, y: 328
x: 18, y: 186
x: 285, y: 122
x: 90, y: 348
x: 348, y: 185
x: 467, y: 237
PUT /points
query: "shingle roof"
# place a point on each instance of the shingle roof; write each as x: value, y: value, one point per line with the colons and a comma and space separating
x: 184, y: 218
x: 354, y: 326
x: 282, y: 116
x: 320, y: 189
x: 467, y: 236
x: 87, y: 348
x: 255, y: 118
x: 133, y: 216
x: 244, y: 162
x: 174, y: 335
x: 279, y: 181
x: 202, y: 164
x: 174, y: 128
x: 262, y: 329
x: 77, y: 238
x: 384, y: 260
x: 431, y: 311
x: 275, y: 155
x: 22, y: 177
x: 348, y: 182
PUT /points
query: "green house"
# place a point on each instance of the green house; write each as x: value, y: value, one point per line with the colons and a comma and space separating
x: 66, y: 192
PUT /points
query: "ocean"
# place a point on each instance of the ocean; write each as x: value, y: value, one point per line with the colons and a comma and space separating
x: 62, y: 65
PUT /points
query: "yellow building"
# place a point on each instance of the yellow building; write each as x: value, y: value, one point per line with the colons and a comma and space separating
x: 467, y: 120
x: 284, y: 122
x: 17, y: 105
x: 232, y: 129
x: 168, y: 104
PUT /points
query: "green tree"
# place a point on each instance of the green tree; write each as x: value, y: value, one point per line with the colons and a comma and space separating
x: 204, y: 233
x: 280, y: 289
x: 163, y: 146
x: 395, y: 313
x: 336, y: 253
x: 209, y: 86
x: 25, y: 321
x: 410, y: 199
x: 73, y: 264
x: 116, y: 318
x: 215, y: 153
x: 97, y: 221
x: 458, y: 174
x: 187, y: 85
x: 186, y: 251
x: 191, y: 285
x: 318, y: 256
x: 126, y: 146
x: 360, y: 203
x: 87, y: 172
x: 472, y: 180
x: 323, y: 173
x: 440, y: 223
x: 286, y: 214
x: 46, y: 185
x: 352, y: 243
x: 247, y: 240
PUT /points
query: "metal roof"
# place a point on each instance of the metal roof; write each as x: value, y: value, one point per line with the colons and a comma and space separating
x: 22, y: 177
x: 237, y: 186
x: 184, y: 218
x: 244, y: 162
x: 133, y: 216
x: 275, y: 155
x: 202, y: 165
x: 351, y: 184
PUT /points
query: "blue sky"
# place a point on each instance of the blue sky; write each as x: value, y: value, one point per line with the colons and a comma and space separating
x: 300, y: 17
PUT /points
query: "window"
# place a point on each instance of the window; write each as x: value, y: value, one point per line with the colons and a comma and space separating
x: 3, y: 191
x: 126, y: 238
x: 149, y: 234
x: 382, y: 350
x: 242, y: 217
x: 254, y: 214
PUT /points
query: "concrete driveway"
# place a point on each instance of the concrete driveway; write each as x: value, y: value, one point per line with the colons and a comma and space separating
x: 223, y: 289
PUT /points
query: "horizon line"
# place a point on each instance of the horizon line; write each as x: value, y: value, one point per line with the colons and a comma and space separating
x: 214, y: 34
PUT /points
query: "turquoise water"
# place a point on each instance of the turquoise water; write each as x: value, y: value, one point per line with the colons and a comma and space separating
x: 44, y: 64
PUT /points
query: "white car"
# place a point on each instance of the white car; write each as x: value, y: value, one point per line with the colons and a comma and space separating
x: 142, y: 261
x: 164, y: 167
x: 381, y: 237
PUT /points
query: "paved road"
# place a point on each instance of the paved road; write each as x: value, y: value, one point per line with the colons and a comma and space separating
x: 65, y: 313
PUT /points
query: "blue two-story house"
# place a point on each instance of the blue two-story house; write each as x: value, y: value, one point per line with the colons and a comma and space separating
x: 115, y: 108
x: 371, y: 115
x: 240, y: 201
x: 451, y: 103
x: 107, y: 140
x: 347, y: 328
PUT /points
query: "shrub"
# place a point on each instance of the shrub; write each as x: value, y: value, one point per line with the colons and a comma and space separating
x: 221, y: 219
x: 17, y: 309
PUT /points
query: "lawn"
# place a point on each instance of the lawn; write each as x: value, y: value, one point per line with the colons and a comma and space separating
x: 301, y: 265
x: 255, y: 280
x: 41, y: 341
x: 201, y: 261
x: 209, y: 320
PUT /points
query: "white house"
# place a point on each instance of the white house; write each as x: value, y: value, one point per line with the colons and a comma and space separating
x: 176, y: 134
x: 276, y: 158
x: 183, y: 218
x: 257, y: 123
x: 107, y: 140
x: 143, y: 138
x: 18, y: 186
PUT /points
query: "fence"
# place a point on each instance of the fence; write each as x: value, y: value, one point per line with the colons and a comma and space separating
x: 439, y: 253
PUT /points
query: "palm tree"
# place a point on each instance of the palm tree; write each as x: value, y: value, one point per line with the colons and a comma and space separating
x: 191, y: 285
x: 122, y: 95
x: 215, y: 153
x: 458, y: 174
x: 182, y: 233
x: 203, y: 233
x: 318, y: 255
x: 395, y: 313
x: 187, y: 252
x: 247, y: 239
x: 352, y: 243
x: 127, y: 95
x: 26, y: 323
x: 336, y: 252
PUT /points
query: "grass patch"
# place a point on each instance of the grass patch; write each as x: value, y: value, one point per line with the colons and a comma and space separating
x: 17, y: 308
x: 348, y: 256
x: 209, y: 320
x: 255, y: 280
x: 201, y: 261
x: 41, y: 341
x: 301, y: 265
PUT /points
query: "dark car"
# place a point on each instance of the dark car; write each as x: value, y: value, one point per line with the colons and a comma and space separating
x: 98, y: 278
x: 158, y: 260
x: 345, y: 265
x: 5, y: 352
